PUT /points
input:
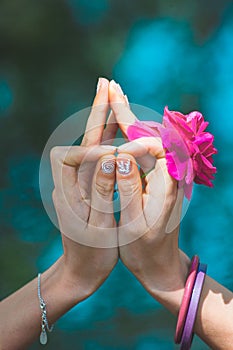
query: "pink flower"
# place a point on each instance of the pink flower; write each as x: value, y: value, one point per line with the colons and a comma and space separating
x: 189, y: 148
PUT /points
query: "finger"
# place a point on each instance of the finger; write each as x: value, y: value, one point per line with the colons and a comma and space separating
x: 132, y: 222
x: 65, y: 160
x: 71, y: 208
x: 146, y: 163
x: 72, y: 189
x: 152, y: 146
x: 176, y: 214
x: 110, y: 131
x: 159, y: 197
x: 142, y: 146
x: 97, y: 118
x: 101, y: 214
x: 160, y: 188
x: 146, y: 150
x: 120, y: 107
x: 86, y: 166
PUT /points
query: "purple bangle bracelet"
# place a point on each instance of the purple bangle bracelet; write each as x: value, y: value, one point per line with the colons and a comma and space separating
x: 186, y: 298
x: 187, y: 335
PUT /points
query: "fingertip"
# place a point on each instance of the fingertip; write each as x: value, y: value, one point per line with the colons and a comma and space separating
x: 115, y: 92
x: 102, y: 82
x: 127, y: 100
x: 125, y: 165
x: 108, y: 165
x: 101, y: 96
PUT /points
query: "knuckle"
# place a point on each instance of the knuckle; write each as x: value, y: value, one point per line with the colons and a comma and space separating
x: 104, y: 188
x: 128, y: 189
x: 55, y: 153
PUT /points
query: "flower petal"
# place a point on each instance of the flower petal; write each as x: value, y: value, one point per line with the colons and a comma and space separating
x: 140, y: 129
x: 189, y: 148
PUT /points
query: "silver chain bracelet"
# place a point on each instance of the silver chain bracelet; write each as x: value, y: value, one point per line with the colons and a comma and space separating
x: 44, y: 320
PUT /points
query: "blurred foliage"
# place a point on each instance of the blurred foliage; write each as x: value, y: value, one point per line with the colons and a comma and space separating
x: 163, y: 52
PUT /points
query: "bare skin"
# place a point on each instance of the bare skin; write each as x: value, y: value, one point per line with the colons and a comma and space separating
x: 144, y: 244
x: 155, y: 258
x: 81, y: 269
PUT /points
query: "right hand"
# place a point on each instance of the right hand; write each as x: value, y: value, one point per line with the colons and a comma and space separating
x: 148, y: 212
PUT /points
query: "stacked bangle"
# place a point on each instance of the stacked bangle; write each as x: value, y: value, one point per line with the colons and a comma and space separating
x: 187, y: 335
x: 186, y: 298
x: 189, y: 305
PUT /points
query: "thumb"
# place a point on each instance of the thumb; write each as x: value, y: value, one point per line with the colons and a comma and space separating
x: 132, y: 223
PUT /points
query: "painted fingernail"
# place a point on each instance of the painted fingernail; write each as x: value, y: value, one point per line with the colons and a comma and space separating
x: 120, y: 89
x: 99, y: 85
x: 126, y: 99
x: 108, y: 166
x: 124, y: 166
x: 117, y: 87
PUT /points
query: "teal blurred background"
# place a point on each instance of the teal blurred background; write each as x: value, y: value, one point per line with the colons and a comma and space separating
x: 163, y: 52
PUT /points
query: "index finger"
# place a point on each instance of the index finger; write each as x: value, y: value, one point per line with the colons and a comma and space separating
x: 97, y: 118
x: 120, y: 107
x: 67, y: 159
x: 144, y: 145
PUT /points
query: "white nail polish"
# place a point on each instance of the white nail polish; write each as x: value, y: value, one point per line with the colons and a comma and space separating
x: 126, y: 99
x: 108, y: 166
x: 124, y: 166
x: 120, y: 89
x: 98, y: 85
x: 117, y: 87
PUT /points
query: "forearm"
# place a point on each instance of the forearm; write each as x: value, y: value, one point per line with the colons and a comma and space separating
x: 20, y: 313
x: 214, y: 321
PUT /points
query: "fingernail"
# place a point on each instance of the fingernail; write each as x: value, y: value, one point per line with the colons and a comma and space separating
x: 126, y: 99
x: 120, y: 89
x: 108, y: 166
x: 102, y: 82
x: 124, y: 166
x: 99, y: 84
x: 117, y: 87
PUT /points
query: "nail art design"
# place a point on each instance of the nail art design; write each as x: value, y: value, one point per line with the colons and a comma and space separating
x: 124, y: 166
x: 108, y: 166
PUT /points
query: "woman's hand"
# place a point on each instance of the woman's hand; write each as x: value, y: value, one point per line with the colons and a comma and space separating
x: 149, y: 223
x: 148, y: 235
x: 83, y: 201
x: 150, y: 212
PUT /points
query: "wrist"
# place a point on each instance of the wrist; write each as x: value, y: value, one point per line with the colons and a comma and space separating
x: 58, y: 283
x: 76, y: 286
x: 167, y: 283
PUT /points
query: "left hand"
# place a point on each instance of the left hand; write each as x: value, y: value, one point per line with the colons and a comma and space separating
x: 83, y: 200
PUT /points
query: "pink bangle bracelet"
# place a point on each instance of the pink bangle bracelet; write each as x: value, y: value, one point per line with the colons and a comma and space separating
x: 186, y: 298
x: 187, y: 336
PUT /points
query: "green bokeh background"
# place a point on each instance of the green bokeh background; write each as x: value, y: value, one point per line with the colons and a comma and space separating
x: 175, y: 53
